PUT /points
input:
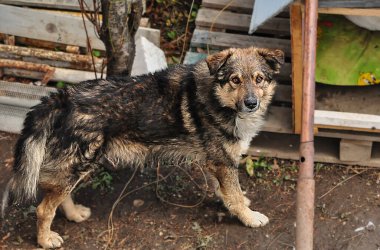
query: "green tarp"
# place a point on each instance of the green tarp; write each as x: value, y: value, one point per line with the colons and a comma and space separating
x: 346, y: 54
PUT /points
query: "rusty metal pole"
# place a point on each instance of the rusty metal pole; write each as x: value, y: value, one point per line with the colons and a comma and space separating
x: 306, y: 184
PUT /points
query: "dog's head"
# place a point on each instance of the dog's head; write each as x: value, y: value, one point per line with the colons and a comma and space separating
x: 244, y: 77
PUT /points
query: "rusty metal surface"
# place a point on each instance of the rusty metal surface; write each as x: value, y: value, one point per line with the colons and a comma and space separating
x: 49, y: 71
x: 305, y: 185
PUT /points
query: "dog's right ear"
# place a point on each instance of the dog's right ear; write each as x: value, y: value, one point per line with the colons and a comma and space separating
x: 216, y: 61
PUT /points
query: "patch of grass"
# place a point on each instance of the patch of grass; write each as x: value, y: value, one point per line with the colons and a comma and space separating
x: 102, y: 181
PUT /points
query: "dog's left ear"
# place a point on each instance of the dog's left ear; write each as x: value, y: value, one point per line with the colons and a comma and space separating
x: 274, y: 58
x: 216, y: 61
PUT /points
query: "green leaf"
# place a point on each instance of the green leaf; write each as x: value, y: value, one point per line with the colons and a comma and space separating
x: 172, y: 34
x: 96, y: 53
x: 60, y: 84
x: 175, y: 59
x: 193, y: 13
x: 249, y: 167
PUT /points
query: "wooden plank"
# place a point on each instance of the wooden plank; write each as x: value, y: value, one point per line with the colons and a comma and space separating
x: 297, y: 64
x: 364, y: 122
x: 194, y: 57
x: 240, y: 22
x: 286, y: 146
x: 350, y: 11
x: 278, y: 120
x: 355, y: 150
x: 55, y: 27
x: 224, y: 40
x: 60, y: 74
x: 349, y: 3
x: 346, y: 134
x: 241, y: 6
x: 54, y: 4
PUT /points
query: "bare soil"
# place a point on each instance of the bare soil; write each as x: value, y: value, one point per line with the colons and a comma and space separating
x: 352, y: 202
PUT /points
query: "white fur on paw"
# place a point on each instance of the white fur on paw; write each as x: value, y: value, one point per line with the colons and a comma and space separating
x: 254, y: 219
x: 79, y: 214
x: 51, y: 240
x: 247, y: 201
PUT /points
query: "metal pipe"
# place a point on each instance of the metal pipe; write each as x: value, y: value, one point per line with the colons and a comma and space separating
x: 306, y: 184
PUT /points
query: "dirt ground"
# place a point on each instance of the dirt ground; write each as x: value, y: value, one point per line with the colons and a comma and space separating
x: 350, y: 200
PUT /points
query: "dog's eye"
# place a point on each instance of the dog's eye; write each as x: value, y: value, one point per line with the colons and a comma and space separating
x: 259, y: 79
x: 236, y: 80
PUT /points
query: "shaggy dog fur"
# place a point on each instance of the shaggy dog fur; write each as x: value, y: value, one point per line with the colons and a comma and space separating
x: 207, y: 112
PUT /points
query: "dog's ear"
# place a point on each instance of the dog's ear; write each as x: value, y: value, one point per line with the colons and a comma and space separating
x: 216, y: 61
x: 274, y: 58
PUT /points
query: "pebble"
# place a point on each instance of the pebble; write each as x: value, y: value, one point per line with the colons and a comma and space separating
x: 161, y: 233
x: 138, y: 203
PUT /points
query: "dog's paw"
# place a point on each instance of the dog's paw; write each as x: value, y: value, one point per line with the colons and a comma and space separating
x: 247, y: 201
x: 78, y: 214
x: 50, y: 240
x: 254, y: 219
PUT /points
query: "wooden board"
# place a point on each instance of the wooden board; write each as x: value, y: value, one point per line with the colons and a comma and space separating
x: 60, y: 74
x: 346, y: 120
x: 355, y: 150
x: 284, y: 76
x: 236, y: 21
x: 54, y: 4
x: 349, y: 3
x: 286, y: 146
x: 241, y: 6
x: 346, y: 134
x: 297, y: 62
x: 278, y: 120
x: 350, y: 11
x: 224, y: 40
x: 55, y: 27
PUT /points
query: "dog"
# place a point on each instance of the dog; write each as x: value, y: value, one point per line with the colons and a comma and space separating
x: 207, y: 112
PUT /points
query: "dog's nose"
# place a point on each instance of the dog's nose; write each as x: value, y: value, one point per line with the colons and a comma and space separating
x: 251, y: 102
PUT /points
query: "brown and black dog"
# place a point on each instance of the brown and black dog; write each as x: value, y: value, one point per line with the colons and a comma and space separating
x: 207, y: 112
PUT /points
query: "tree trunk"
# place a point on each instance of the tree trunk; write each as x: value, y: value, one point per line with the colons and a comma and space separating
x: 121, y: 19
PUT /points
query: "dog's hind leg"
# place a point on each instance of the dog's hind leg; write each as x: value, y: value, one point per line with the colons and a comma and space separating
x: 233, y: 198
x: 45, y: 215
x: 75, y: 212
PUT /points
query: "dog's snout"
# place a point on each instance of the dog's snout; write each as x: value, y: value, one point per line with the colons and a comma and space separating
x: 251, y: 102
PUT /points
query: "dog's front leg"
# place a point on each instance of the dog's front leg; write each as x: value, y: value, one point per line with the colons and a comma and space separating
x: 226, y: 181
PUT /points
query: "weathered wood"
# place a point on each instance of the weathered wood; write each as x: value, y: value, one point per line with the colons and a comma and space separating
x: 346, y: 134
x: 349, y: 3
x: 240, y: 22
x: 278, y: 120
x: 54, y: 4
x: 49, y: 71
x: 350, y: 11
x: 241, y: 6
x: 36, y: 43
x: 224, y: 40
x: 22, y: 95
x: 297, y: 64
x: 355, y: 150
x: 53, y: 58
x: 345, y: 120
x: 65, y: 75
x: 286, y: 146
x: 55, y: 27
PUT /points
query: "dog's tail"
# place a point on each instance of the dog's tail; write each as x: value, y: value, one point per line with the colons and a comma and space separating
x: 30, y: 150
